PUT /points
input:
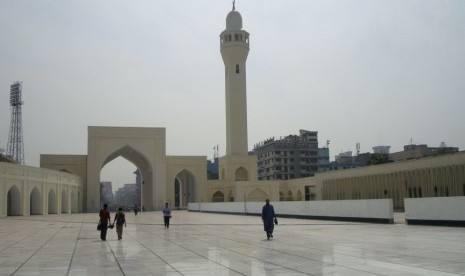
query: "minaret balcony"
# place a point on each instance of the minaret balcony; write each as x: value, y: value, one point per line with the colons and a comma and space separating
x: 238, y: 37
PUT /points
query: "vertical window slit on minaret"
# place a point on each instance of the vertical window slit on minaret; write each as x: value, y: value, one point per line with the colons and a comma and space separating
x: 237, y: 68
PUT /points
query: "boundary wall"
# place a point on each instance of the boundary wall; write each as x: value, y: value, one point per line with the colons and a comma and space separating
x: 365, y: 210
x: 448, y: 211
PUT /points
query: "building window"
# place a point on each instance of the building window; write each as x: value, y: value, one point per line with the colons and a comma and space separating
x: 237, y: 68
x: 241, y: 174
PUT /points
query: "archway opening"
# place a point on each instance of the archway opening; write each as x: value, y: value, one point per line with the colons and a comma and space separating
x: 121, y: 185
x: 34, y: 202
x: 184, y: 189
x: 218, y: 196
x: 52, y: 202
x: 257, y: 195
x: 13, y: 202
x: 64, y: 202
x: 73, y: 203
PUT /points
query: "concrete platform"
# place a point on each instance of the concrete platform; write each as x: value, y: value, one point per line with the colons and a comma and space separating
x: 213, y: 244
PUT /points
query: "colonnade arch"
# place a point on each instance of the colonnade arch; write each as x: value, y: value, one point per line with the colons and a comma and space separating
x: 35, y: 205
x: 52, y: 202
x: 14, y: 201
x: 64, y: 202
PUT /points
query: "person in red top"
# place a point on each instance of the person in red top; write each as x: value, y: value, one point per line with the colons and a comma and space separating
x: 104, y: 221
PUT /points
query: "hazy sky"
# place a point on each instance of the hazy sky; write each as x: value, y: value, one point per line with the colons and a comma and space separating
x: 375, y: 72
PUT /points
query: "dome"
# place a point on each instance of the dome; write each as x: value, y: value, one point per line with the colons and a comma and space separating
x: 234, y: 21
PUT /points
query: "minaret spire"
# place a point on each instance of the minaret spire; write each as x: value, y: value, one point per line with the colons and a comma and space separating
x: 234, y: 50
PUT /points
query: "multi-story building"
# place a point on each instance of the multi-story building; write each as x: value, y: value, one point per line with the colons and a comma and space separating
x: 125, y: 196
x: 106, y: 192
x: 413, y: 151
x: 323, y: 159
x: 294, y: 156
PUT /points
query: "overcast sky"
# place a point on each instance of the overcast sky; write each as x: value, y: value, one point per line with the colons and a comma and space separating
x: 375, y: 72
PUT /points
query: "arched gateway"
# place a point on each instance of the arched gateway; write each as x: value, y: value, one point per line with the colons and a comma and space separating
x: 144, y: 147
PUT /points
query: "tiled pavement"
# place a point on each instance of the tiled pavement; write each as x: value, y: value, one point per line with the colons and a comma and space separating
x: 213, y: 244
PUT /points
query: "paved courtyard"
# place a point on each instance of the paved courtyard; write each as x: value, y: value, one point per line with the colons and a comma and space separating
x: 213, y: 244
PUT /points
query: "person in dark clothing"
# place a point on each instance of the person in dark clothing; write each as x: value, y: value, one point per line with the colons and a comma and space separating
x: 104, y: 221
x: 120, y: 220
x: 166, y: 215
x: 268, y: 217
x: 135, y: 209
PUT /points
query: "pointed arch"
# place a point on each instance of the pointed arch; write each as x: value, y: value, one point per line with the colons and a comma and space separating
x: 52, y: 202
x: 242, y: 174
x: 218, y: 196
x: 257, y: 195
x: 14, y: 202
x: 142, y: 171
x: 186, y: 184
x: 35, y: 206
x: 64, y: 202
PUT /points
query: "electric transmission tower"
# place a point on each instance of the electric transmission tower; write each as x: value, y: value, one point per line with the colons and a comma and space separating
x: 15, y: 148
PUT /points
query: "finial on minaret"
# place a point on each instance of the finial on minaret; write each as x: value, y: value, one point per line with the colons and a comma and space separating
x: 234, y: 5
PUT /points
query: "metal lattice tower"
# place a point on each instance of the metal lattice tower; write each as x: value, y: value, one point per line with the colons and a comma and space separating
x: 15, y: 148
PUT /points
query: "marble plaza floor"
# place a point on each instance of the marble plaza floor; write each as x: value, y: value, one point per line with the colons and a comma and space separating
x: 213, y: 244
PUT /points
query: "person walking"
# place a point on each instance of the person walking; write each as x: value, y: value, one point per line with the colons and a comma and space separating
x: 166, y: 215
x: 104, y: 221
x: 268, y: 218
x: 120, y: 220
x: 135, y: 209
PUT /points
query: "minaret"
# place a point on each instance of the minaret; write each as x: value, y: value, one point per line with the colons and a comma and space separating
x: 234, y: 50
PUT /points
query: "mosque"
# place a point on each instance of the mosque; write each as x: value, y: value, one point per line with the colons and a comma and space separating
x: 70, y: 183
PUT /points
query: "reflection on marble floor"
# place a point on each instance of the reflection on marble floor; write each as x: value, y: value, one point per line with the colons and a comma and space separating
x: 213, y: 244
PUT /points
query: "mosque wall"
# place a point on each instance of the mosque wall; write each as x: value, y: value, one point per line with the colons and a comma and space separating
x: 28, y: 190
x: 438, y: 176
